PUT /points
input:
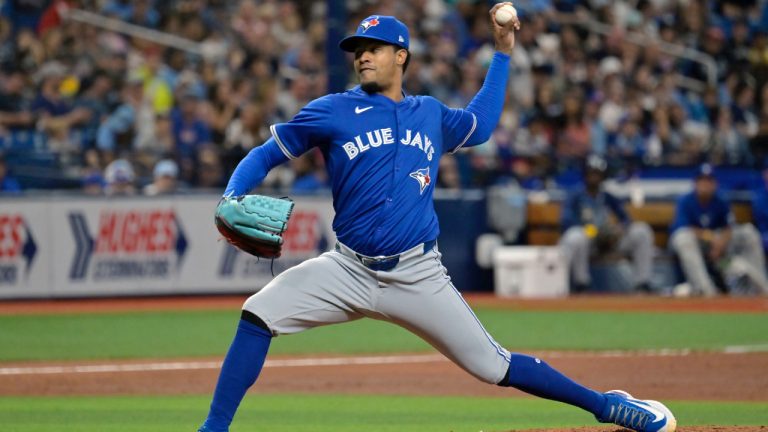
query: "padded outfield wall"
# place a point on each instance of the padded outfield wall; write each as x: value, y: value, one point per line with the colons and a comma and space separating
x: 74, y: 246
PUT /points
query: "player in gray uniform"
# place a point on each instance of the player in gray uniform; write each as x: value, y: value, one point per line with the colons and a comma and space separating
x: 382, y: 150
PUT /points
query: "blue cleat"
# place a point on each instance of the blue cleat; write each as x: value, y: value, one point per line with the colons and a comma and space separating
x: 639, y: 415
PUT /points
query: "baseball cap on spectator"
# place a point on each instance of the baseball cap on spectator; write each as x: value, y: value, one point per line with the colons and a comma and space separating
x: 596, y: 163
x: 50, y: 69
x: 378, y: 27
x: 166, y: 168
x: 119, y: 171
x: 705, y: 170
x: 609, y: 66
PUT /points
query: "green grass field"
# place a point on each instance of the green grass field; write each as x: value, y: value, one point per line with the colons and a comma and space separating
x: 208, y: 333
x: 330, y: 413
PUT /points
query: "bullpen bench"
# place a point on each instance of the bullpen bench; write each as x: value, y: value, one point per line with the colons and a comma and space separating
x: 543, y: 220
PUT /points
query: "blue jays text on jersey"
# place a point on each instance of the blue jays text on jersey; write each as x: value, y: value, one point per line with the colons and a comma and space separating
x: 375, y: 138
x: 381, y: 157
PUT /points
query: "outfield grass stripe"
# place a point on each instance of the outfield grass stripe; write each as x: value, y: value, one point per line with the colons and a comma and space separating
x: 207, y: 334
x: 334, y: 413
x: 117, y: 367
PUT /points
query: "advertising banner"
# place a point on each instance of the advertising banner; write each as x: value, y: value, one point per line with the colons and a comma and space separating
x: 24, y: 235
x: 59, y: 247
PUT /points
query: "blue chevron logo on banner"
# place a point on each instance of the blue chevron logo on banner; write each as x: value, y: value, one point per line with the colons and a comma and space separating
x: 83, y: 246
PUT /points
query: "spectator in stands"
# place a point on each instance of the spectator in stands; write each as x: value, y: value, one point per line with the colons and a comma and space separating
x: 8, y: 184
x: 589, y: 231
x: 524, y: 174
x: 93, y: 184
x: 49, y: 101
x: 574, y: 91
x: 573, y: 130
x: 14, y: 107
x: 23, y: 14
x: 449, y: 177
x: 727, y: 146
x: 711, y: 247
x: 190, y: 132
x: 118, y: 130
x: 120, y: 177
x: 760, y: 208
x: 164, y: 178
x: 93, y: 102
x: 157, y: 89
x: 209, y: 172
x: 248, y: 130
x: 221, y: 108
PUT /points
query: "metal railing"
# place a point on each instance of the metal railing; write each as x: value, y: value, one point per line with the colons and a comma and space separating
x: 115, y: 25
x: 637, y: 38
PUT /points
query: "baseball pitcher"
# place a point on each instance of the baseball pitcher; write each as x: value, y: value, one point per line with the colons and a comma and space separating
x: 382, y: 149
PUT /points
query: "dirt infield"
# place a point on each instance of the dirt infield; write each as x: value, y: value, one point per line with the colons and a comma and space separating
x: 713, y: 376
x: 661, y: 375
x: 577, y: 303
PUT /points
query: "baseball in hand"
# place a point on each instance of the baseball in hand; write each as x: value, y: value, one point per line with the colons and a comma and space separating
x: 505, y: 14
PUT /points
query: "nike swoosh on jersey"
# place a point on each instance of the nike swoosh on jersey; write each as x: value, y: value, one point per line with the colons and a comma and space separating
x: 359, y: 110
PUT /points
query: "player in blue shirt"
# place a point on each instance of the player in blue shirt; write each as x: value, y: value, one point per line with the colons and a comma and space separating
x: 588, y: 230
x: 760, y: 208
x: 704, y: 232
x: 382, y: 149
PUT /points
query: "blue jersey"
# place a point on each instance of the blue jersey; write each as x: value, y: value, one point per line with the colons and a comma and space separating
x: 581, y: 208
x: 691, y: 213
x: 382, y: 157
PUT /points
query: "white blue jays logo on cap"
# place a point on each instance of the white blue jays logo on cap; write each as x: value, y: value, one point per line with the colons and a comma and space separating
x: 370, y: 22
x: 422, y: 176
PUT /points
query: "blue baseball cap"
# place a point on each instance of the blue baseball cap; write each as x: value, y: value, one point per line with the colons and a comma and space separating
x: 378, y: 27
x: 705, y: 170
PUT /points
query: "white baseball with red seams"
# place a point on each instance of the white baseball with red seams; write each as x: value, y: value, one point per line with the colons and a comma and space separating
x: 505, y: 14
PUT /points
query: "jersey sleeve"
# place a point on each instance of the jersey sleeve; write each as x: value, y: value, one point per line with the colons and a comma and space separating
x: 309, y: 128
x: 458, y: 127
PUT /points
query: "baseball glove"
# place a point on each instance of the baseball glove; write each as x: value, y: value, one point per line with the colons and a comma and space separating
x: 254, y: 223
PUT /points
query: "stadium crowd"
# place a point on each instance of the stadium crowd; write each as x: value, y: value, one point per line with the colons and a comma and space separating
x: 78, y: 97
x: 86, y: 108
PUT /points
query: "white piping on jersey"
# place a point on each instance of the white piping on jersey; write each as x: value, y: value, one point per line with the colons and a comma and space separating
x: 280, y: 144
x: 505, y: 354
x: 501, y: 351
x: 466, y: 138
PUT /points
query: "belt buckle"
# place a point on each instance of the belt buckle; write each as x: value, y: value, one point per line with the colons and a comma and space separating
x: 379, y: 263
x: 368, y: 261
